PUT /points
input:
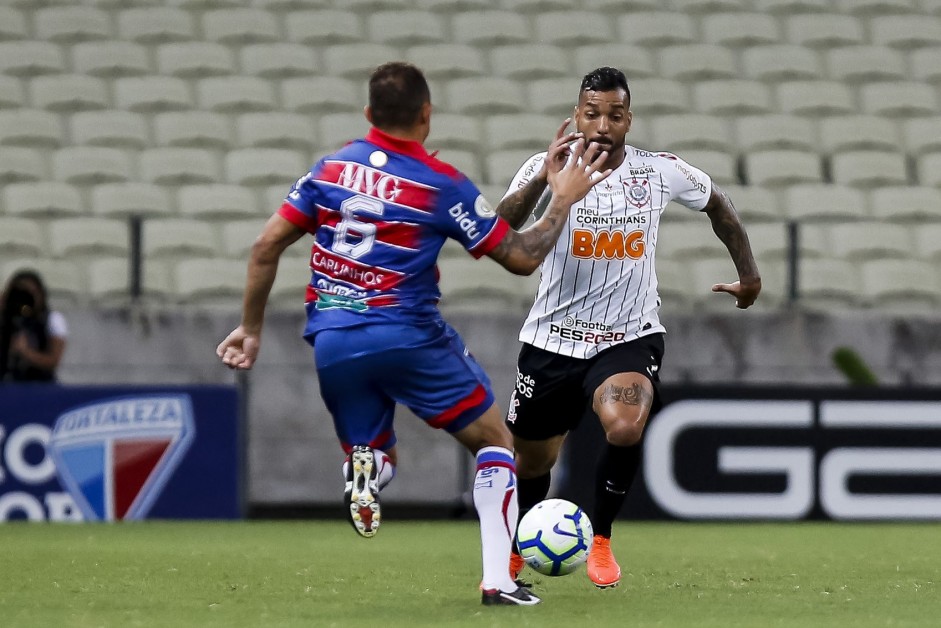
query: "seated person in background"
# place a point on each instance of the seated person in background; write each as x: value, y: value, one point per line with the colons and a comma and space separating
x: 32, y: 338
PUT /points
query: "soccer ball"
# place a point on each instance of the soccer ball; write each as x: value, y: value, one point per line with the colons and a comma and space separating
x: 554, y: 538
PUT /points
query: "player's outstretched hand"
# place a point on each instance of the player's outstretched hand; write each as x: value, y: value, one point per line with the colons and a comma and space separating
x: 560, y: 149
x: 239, y: 349
x: 745, y: 293
x: 582, y: 171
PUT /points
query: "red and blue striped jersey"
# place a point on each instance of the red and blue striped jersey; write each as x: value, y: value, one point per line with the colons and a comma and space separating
x: 380, y: 209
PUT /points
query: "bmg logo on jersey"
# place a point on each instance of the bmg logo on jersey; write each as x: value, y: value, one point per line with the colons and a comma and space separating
x: 608, y: 244
x: 115, y: 457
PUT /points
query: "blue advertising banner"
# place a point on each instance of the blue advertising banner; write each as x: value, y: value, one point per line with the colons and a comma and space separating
x: 119, y: 453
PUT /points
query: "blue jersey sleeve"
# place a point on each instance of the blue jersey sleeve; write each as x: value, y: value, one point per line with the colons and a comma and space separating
x: 467, y: 217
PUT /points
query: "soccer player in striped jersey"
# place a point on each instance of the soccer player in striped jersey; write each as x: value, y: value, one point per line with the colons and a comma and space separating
x: 593, y: 342
x: 379, y: 210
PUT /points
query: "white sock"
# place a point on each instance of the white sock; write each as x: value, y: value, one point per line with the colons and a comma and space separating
x: 497, y: 508
x: 384, y: 462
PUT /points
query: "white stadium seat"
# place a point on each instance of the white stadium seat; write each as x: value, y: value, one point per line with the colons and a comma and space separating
x: 12, y: 24
x: 863, y: 64
x: 238, y: 237
x: 130, y: 199
x: 152, y: 94
x: 816, y: 98
x: 447, y: 61
x: 719, y: 165
x: 905, y: 31
x: 876, y: 7
x: 635, y: 61
x: 63, y: 279
x: 276, y: 130
x: 825, y: 30
x: 208, y: 280
x: 656, y: 28
x: 194, y: 59
x: 820, y: 202
x: 179, y: 166
x: 553, y: 96
x: 87, y: 165
x: 239, y: 27
x: 320, y: 94
x: 42, y: 199
x: 264, y: 166
x: 691, y: 131
x: 490, y: 28
x: 706, y: 7
x: 22, y: 164
x: 689, y: 241
x: 108, y: 280
x: 278, y: 60
x: 217, y: 200
x: 697, y: 62
x: 915, y: 204
x: 529, y: 131
x: 869, y: 168
x: 12, y: 94
x: 786, y: 7
x: 468, y: 162
x: 175, y: 238
x: 572, y: 28
x: 529, y: 61
x: 926, y: 64
x: 929, y: 169
x: 537, y: 6
x: 861, y: 241
x: 196, y: 129
x: 651, y: 96
x: 452, y: 130
x: 768, y: 240
x: 485, y: 94
x: 21, y: 237
x: 156, y: 25
x: 110, y: 128
x: 921, y: 135
x: 735, y: 97
x: 111, y: 59
x: 741, y: 29
x: 30, y: 128
x: 88, y: 237
x: 66, y: 25
x: 235, y: 94
x: 405, y: 28
x: 322, y: 28
x: 356, y: 61
x: 775, y: 131
x: 843, y: 133
x: 903, y: 99
x: 900, y: 285
x: 828, y: 284
x: 502, y: 165
x: 336, y: 129
x: 928, y: 242
x: 69, y: 92
x: 30, y: 58
x: 783, y: 62
x: 754, y: 203
x: 290, y: 285
x: 453, y: 6
x: 782, y: 167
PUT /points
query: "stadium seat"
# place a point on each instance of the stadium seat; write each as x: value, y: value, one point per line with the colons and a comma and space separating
x: 527, y: 131
x: 264, y: 166
x: 468, y: 162
x: 789, y: 7
x: 64, y: 281
x: 321, y: 94
x: 108, y: 280
x: 240, y: 27
x: 356, y: 61
x: 529, y: 61
x: 490, y: 28
x: 30, y: 58
x: 70, y: 238
x: 897, y: 284
x: 20, y: 164
x: 155, y: 25
x: 276, y: 130
x: 697, y: 62
x: 68, y: 25
x: 775, y: 131
x: 12, y: 24
x: 902, y: 99
x: 928, y: 242
x: 205, y: 281
x: 656, y: 28
x: 740, y: 29
x: 931, y: 6
x: 487, y: 95
x: 290, y: 285
x: 111, y: 59
x: 405, y: 28
x: 503, y: 165
x: 469, y: 285
x: 217, y: 200
x: 864, y: 64
x: 705, y: 273
x: 754, y: 203
x: 929, y: 169
x: 130, y: 199
x: 706, y: 7
x: 273, y: 197
x: 905, y: 32
x: 719, y: 165
x: 110, y: 128
x: 235, y: 94
x: 862, y: 241
x: 88, y: 165
x: 179, y: 238
x: 42, y: 199
x: 69, y: 92
x: 278, y: 60
x: 447, y: 61
x: 651, y: 96
x: 768, y: 240
x: 869, y: 168
x: 673, y: 281
x: 238, y: 237
x: 634, y: 61
x: 324, y: 28
x: 30, y: 128
x: 336, y: 129
x: 556, y: 97
x: 816, y: 98
x: 453, y: 6
x: 21, y: 237
x: 195, y: 129
x: 828, y: 284
x: 774, y: 168
x: 370, y: 6
x: 824, y: 30
x: 926, y: 65
x: 690, y: 131
x: 290, y: 5
x: 916, y: 204
x: 452, y: 130
x: 735, y: 97
x: 623, y: 5
x: 820, y: 202
x: 782, y: 62
x: 572, y: 28
x: 921, y: 135
x: 689, y: 241
x: 876, y: 7
x: 537, y: 6
x: 844, y: 133
x: 11, y: 92
x: 179, y: 166
x: 152, y: 94
x: 194, y: 59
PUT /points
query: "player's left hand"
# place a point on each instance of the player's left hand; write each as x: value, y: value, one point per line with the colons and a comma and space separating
x: 239, y: 349
x: 745, y: 292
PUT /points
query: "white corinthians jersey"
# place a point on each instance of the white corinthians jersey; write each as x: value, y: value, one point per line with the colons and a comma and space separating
x: 598, y: 286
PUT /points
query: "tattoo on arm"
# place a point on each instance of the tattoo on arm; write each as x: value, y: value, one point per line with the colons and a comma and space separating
x: 517, y: 207
x: 633, y: 395
x: 728, y: 227
x: 525, y: 250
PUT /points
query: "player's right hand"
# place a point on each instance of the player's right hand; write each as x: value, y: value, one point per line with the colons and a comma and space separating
x: 580, y: 174
x: 560, y: 148
x: 239, y: 349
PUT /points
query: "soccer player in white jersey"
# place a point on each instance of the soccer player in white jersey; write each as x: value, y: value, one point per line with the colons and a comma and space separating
x: 593, y: 343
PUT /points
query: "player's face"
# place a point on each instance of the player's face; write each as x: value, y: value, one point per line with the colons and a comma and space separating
x: 604, y: 117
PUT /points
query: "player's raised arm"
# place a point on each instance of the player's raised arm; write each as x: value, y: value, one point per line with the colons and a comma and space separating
x: 729, y: 228
x: 240, y: 348
x: 522, y: 252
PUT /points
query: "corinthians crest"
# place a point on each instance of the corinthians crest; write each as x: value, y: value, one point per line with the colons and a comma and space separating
x: 638, y: 191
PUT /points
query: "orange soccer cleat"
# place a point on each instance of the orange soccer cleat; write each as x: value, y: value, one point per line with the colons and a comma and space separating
x: 602, y: 568
x: 516, y: 565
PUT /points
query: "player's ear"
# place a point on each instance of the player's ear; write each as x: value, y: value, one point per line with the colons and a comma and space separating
x: 367, y: 111
x: 630, y: 119
x: 425, y: 116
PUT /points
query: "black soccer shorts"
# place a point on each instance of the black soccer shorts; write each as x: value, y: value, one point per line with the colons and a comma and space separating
x: 553, y: 392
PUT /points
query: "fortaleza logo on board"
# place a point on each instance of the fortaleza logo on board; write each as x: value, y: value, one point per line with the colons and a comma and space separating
x: 115, y: 457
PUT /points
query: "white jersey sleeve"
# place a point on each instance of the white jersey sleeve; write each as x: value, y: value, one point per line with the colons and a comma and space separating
x: 689, y: 186
x: 527, y: 171
x: 56, y: 325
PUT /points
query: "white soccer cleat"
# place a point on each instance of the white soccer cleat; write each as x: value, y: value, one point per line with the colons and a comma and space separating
x: 362, y: 490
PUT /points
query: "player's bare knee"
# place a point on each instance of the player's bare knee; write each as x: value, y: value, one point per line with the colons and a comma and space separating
x: 624, y: 433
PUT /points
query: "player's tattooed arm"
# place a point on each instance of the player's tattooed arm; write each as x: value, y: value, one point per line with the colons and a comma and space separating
x: 517, y: 207
x: 728, y: 227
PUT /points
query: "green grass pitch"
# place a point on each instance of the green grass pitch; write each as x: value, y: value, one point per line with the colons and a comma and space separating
x: 416, y: 573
